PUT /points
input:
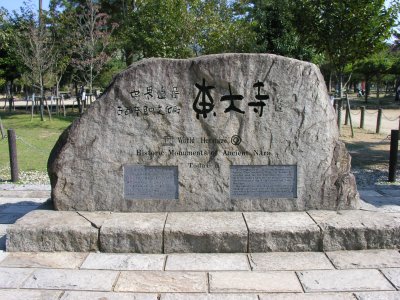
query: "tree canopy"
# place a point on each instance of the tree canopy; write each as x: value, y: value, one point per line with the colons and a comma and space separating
x: 347, y: 30
x: 92, y: 39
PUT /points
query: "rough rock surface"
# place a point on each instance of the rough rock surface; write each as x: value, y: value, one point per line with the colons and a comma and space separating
x: 139, y: 233
x: 48, y: 231
x: 207, y: 232
x: 357, y: 229
x: 284, y: 231
x: 163, y: 112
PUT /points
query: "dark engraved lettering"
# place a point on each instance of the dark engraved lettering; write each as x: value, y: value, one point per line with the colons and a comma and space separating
x: 149, y: 92
x: 135, y: 93
x: 232, y: 98
x: 175, y: 92
x: 161, y: 94
x: 203, y: 107
x: 259, y: 105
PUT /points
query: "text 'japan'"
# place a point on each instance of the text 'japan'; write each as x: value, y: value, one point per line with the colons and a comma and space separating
x: 204, y: 102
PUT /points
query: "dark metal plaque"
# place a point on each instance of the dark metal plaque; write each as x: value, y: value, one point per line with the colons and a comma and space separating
x: 150, y: 182
x: 260, y: 182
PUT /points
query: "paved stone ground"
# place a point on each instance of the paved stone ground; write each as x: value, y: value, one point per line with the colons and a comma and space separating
x: 362, y: 275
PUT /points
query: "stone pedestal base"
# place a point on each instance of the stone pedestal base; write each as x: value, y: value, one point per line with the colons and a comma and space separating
x: 206, y: 232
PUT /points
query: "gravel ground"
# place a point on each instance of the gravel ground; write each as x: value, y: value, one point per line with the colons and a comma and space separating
x: 25, y: 177
x: 371, y: 178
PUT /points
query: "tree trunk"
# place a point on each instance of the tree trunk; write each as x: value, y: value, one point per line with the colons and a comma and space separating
x: 3, y: 133
x: 11, y: 97
x: 128, y: 57
x: 366, y: 89
x: 91, y: 80
x: 78, y: 99
x: 396, y: 93
x: 341, y: 85
x: 377, y: 89
x: 41, y: 103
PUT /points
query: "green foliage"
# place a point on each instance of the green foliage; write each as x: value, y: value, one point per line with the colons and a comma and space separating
x: 220, y: 27
x: 374, y: 65
x: 151, y: 28
x: 8, y: 61
x: 276, y: 29
x: 346, y: 30
x: 333, y: 34
x: 114, y: 66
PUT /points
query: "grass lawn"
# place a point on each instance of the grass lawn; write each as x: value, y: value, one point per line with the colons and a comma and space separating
x: 35, y: 140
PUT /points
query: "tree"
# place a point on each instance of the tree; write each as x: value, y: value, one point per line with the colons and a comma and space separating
x: 91, y: 37
x: 123, y: 12
x: 34, y: 46
x: 221, y: 26
x: 179, y: 28
x: 376, y: 66
x: 151, y: 28
x: 9, y: 70
x: 274, y: 22
x: 60, y: 24
x: 346, y: 30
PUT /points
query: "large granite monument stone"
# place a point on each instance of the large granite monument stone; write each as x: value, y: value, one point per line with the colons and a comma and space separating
x: 241, y: 132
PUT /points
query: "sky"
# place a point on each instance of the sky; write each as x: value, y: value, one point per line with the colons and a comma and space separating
x: 11, y: 5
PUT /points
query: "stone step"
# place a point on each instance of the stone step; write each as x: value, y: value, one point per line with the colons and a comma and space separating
x: 204, y: 232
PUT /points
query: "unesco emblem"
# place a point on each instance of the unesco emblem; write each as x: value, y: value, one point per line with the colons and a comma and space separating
x: 236, y: 140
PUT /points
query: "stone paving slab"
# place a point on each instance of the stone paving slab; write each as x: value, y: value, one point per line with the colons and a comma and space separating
x: 393, y: 275
x: 75, y: 295
x: 343, y: 281
x: 356, y: 230
x: 18, y: 209
x: 378, y: 295
x: 209, y: 296
x: 289, y: 261
x: 3, y: 228
x: 390, y: 192
x: 254, y: 282
x: 310, y: 296
x: 207, y: 262
x: 365, y: 206
x: 47, y: 230
x: 139, y: 233
x: 3, y: 255
x: 24, y: 187
x: 22, y: 201
x: 206, y: 232
x: 367, y: 259
x: 284, y: 231
x: 3, y: 232
x: 65, y: 260
x: 369, y: 193
x: 107, y: 261
x: 61, y: 279
x: 12, y: 278
x: 381, y: 203
x: 2, y: 242
x: 10, y: 218
x: 162, y: 282
x: 24, y: 194
x: 18, y: 294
